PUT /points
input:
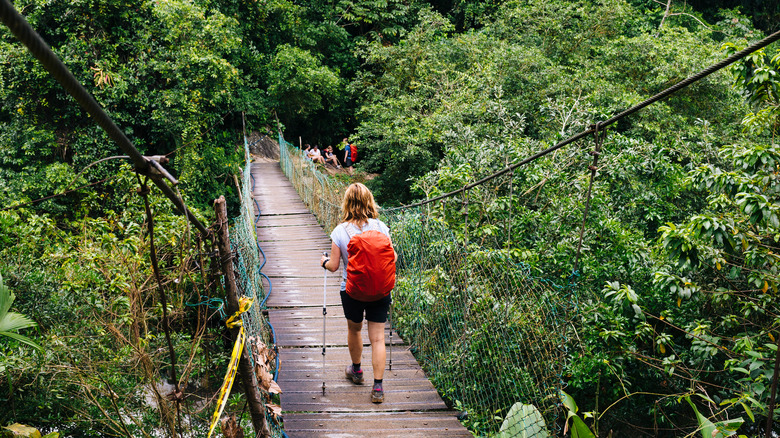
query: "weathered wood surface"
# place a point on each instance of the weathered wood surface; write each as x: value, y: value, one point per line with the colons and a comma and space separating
x: 292, y: 242
x: 430, y: 424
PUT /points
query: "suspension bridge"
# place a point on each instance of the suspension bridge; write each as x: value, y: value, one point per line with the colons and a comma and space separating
x: 292, y: 241
x: 486, y: 334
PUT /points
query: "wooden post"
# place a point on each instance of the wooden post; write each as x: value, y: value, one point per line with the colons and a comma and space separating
x: 244, y: 365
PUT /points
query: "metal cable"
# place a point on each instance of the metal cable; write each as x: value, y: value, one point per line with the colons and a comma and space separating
x: 599, y: 137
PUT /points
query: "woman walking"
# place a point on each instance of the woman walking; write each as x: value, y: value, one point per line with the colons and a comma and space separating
x: 362, y: 244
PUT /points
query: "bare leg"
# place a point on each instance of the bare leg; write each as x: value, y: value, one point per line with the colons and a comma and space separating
x: 376, y: 334
x: 355, y: 340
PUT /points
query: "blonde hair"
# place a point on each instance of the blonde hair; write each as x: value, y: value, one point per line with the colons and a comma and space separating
x: 358, y: 205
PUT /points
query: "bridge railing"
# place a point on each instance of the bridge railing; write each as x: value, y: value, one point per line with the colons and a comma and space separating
x: 248, y: 264
x: 490, y: 335
x: 318, y: 191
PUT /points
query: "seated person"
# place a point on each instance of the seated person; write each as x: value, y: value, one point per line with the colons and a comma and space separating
x: 314, y: 155
x: 331, y: 158
x: 306, y: 149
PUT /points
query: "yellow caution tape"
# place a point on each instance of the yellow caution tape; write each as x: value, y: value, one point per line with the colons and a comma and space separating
x: 244, y: 304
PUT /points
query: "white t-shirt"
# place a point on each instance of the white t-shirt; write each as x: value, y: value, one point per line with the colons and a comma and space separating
x: 340, y: 237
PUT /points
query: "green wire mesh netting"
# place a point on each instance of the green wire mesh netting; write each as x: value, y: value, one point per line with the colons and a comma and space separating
x: 489, y: 335
x: 321, y: 194
x: 247, y: 265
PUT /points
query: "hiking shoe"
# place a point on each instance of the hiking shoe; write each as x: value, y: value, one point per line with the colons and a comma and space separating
x: 377, y: 394
x: 355, y: 377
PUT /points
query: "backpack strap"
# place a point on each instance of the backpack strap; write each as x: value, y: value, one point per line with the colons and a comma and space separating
x: 356, y: 230
x: 351, y: 230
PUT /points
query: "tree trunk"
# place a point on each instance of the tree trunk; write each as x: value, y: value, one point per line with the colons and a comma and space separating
x: 244, y: 365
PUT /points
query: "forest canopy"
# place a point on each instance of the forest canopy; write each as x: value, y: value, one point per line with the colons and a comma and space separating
x: 678, y: 277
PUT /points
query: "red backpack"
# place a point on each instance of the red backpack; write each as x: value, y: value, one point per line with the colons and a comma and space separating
x: 370, y: 265
x: 353, y: 152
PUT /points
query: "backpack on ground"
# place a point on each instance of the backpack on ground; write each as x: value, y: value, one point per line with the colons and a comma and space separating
x: 352, y: 152
x: 370, y: 264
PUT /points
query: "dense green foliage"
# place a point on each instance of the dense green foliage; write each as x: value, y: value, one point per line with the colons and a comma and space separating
x: 678, y: 274
x: 684, y: 188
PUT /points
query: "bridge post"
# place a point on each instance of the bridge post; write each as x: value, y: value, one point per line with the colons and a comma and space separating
x: 231, y: 290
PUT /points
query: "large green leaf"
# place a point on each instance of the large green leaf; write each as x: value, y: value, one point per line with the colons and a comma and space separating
x: 21, y: 338
x: 579, y: 429
x: 6, y: 298
x: 523, y: 421
x: 569, y: 402
x: 11, y: 322
x: 711, y: 430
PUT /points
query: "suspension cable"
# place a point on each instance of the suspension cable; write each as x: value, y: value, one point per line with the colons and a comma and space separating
x: 599, y: 137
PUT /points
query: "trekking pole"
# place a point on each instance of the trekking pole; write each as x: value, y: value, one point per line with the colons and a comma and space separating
x: 390, y: 346
x: 324, y: 312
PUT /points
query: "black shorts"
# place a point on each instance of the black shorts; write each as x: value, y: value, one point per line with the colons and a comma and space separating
x: 376, y: 311
x: 348, y: 163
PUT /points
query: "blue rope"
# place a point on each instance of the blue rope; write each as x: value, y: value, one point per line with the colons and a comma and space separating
x: 270, y: 285
x: 257, y: 219
x: 211, y: 303
x: 270, y: 289
x: 276, y: 350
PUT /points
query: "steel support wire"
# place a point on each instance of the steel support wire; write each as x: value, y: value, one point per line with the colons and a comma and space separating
x: 674, y: 88
x: 35, y: 44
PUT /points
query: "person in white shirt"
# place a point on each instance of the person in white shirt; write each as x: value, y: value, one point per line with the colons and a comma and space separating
x: 359, y: 215
x: 316, y: 156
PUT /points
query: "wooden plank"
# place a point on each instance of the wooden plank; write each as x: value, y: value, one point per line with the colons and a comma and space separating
x: 394, y: 401
x: 295, y: 239
x: 309, y: 282
x: 301, y: 228
x: 300, y: 301
x: 303, y: 290
x: 307, y: 264
x: 286, y: 220
x: 332, y: 337
x: 403, y: 377
x: 292, y: 315
x: 374, y: 424
x: 286, y: 255
x: 300, y: 258
x: 302, y: 287
x: 310, y: 360
x: 286, y: 235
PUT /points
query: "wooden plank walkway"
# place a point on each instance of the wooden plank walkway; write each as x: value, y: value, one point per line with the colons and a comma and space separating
x: 293, y: 242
